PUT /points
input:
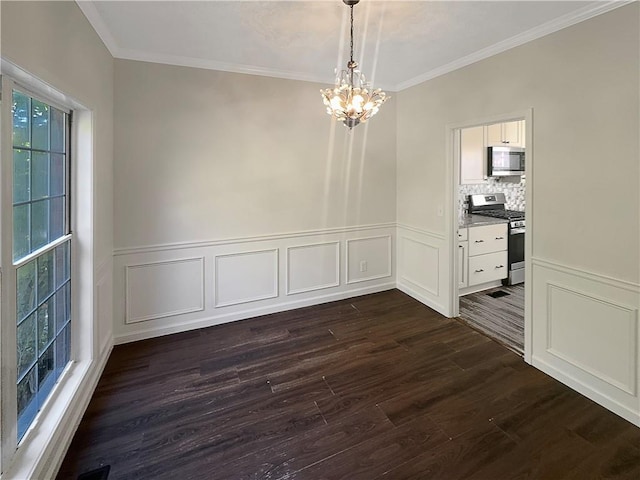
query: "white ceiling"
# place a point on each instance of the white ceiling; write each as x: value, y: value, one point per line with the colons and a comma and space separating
x: 398, y: 43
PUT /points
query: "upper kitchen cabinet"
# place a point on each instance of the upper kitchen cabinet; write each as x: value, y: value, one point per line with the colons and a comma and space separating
x: 473, y: 164
x: 507, y: 133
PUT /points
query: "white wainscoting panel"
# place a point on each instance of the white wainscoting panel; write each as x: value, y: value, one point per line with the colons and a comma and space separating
x: 313, y: 267
x: 423, y: 270
x: 570, y: 313
x: 420, y: 265
x: 585, y: 333
x: 246, y: 277
x: 368, y: 258
x: 158, y: 292
x: 165, y: 288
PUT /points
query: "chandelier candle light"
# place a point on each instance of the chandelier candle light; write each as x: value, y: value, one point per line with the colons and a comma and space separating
x: 352, y: 100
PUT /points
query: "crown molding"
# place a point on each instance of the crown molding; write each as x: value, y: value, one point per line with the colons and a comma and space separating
x: 553, y: 26
x: 182, y: 61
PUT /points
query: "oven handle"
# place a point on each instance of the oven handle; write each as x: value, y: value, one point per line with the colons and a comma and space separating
x: 516, y: 231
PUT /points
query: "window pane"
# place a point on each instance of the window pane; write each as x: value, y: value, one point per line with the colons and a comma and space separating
x: 56, y: 218
x: 39, y: 175
x: 62, y: 263
x: 67, y: 290
x: 26, y: 335
x: 21, y: 176
x: 57, y: 130
x: 57, y: 174
x: 26, y: 390
x: 45, y: 367
x: 61, y: 308
x: 39, y: 125
x: 21, y: 125
x: 39, y: 224
x: 46, y: 328
x: 63, y: 349
x: 21, y: 236
x: 26, y: 290
x: 45, y: 275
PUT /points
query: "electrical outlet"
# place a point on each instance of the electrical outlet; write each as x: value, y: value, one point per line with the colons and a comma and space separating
x: 363, y: 266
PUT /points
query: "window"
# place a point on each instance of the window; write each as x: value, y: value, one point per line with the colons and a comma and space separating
x: 41, y: 250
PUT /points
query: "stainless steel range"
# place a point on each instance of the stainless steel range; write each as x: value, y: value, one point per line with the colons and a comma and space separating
x: 493, y: 205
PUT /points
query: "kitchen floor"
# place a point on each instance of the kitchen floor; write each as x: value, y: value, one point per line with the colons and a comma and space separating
x: 497, y: 312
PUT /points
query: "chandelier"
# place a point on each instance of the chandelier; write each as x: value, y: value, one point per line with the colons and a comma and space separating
x: 352, y: 100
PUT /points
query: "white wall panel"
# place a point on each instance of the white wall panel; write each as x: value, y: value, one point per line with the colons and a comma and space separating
x: 580, y: 325
x: 420, y: 264
x: 163, y: 289
x: 585, y: 333
x: 422, y: 268
x: 246, y: 277
x: 368, y: 258
x: 313, y: 267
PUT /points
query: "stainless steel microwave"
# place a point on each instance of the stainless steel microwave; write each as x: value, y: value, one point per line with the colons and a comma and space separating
x: 505, y: 161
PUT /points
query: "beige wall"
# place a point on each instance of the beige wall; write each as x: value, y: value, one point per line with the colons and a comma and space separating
x: 203, y: 155
x: 583, y: 85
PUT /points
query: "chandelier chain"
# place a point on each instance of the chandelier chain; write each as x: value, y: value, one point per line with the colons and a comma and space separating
x: 351, y: 34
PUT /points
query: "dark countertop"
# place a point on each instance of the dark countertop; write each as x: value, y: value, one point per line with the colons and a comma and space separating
x: 479, y: 220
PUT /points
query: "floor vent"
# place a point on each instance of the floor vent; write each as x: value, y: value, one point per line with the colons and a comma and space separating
x: 101, y: 473
x: 498, y: 294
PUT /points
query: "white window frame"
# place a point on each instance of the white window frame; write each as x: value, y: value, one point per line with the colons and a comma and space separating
x: 49, y: 434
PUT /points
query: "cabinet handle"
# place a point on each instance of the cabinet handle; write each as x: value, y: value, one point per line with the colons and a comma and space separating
x: 478, y: 271
x: 460, y: 246
x: 499, y: 238
x: 479, y: 241
x: 505, y: 141
x: 499, y: 266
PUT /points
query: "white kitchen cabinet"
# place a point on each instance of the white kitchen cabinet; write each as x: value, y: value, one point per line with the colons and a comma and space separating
x: 463, y: 264
x: 487, y: 268
x: 473, y: 164
x: 506, y: 134
x: 487, y: 239
x: 487, y: 254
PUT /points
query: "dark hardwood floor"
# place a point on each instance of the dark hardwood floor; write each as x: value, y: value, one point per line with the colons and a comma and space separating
x: 375, y: 387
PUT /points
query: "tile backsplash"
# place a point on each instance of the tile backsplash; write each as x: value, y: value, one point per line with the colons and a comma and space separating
x: 513, y: 192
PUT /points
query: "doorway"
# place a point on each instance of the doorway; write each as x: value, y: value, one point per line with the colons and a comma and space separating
x: 492, y: 303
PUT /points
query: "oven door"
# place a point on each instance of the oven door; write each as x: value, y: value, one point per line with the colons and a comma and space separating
x: 516, y: 256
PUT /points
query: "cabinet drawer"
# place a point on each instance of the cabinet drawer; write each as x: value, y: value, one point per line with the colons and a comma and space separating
x: 487, y: 239
x: 487, y: 268
x: 462, y: 234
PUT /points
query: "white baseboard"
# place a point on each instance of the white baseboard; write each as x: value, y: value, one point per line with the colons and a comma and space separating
x: 601, y: 399
x: 403, y: 287
x: 211, y: 321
